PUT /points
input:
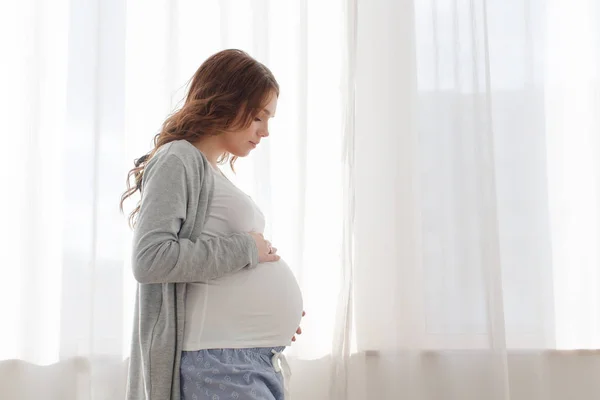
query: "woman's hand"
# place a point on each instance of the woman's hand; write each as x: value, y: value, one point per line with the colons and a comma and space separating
x: 299, y: 330
x: 266, y: 252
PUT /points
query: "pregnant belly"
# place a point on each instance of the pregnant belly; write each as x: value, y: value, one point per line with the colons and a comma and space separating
x: 254, y: 307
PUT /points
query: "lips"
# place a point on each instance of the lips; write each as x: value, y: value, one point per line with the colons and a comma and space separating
x: 253, y: 144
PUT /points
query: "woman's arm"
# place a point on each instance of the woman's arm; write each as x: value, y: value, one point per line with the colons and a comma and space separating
x: 159, y: 254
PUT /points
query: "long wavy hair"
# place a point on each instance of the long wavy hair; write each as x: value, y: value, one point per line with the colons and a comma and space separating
x: 225, y: 94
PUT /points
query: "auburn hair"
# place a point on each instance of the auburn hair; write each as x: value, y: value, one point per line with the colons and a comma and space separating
x: 225, y: 94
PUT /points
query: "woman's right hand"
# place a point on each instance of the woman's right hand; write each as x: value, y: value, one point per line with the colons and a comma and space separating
x: 266, y: 252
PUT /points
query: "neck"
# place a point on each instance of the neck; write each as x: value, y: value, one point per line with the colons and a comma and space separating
x: 211, y: 147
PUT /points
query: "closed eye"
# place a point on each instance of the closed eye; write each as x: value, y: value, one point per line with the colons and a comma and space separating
x: 258, y: 119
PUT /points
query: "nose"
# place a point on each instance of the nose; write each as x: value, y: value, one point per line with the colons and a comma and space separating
x: 264, y: 132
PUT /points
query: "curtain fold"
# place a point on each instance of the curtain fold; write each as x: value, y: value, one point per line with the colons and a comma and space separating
x: 343, y: 333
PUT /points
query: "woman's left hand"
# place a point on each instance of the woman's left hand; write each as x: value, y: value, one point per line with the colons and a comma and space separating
x: 299, y: 330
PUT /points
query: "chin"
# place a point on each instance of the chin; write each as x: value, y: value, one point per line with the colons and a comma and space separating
x: 240, y: 154
x: 240, y: 151
x: 245, y: 152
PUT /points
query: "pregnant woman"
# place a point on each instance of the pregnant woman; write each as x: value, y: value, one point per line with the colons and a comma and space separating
x: 215, y: 304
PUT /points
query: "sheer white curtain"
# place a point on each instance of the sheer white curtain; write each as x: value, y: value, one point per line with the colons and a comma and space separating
x: 432, y: 177
x: 63, y: 108
x: 477, y: 189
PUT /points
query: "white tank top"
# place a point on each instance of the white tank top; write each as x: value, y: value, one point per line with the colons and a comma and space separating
x: 257, y: 307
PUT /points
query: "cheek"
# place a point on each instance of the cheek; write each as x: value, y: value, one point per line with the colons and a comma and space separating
x: 233, y: 137
x: 237, y: 140
x: 247, y: 135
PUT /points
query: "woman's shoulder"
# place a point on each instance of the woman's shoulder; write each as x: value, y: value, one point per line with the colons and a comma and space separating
x: 180, y: 154
x: 184, y: 150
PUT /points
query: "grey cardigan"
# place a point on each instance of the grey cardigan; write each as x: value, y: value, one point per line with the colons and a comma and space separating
x: 167, y: 253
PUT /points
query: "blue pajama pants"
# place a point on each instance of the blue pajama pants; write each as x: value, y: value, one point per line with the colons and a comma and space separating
x: 223, y: 374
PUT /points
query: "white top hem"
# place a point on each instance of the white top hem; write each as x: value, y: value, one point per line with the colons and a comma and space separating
x: 219, y: 345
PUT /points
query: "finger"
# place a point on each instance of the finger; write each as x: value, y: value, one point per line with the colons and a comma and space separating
x: 294, y: 339
x: 303, y: 313
x: 273, y: 257
x: 273, y: 250
x: 299, y: 331
x: 268, y: 243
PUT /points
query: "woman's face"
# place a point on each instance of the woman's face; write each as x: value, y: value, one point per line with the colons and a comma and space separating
x: 241, y: 143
